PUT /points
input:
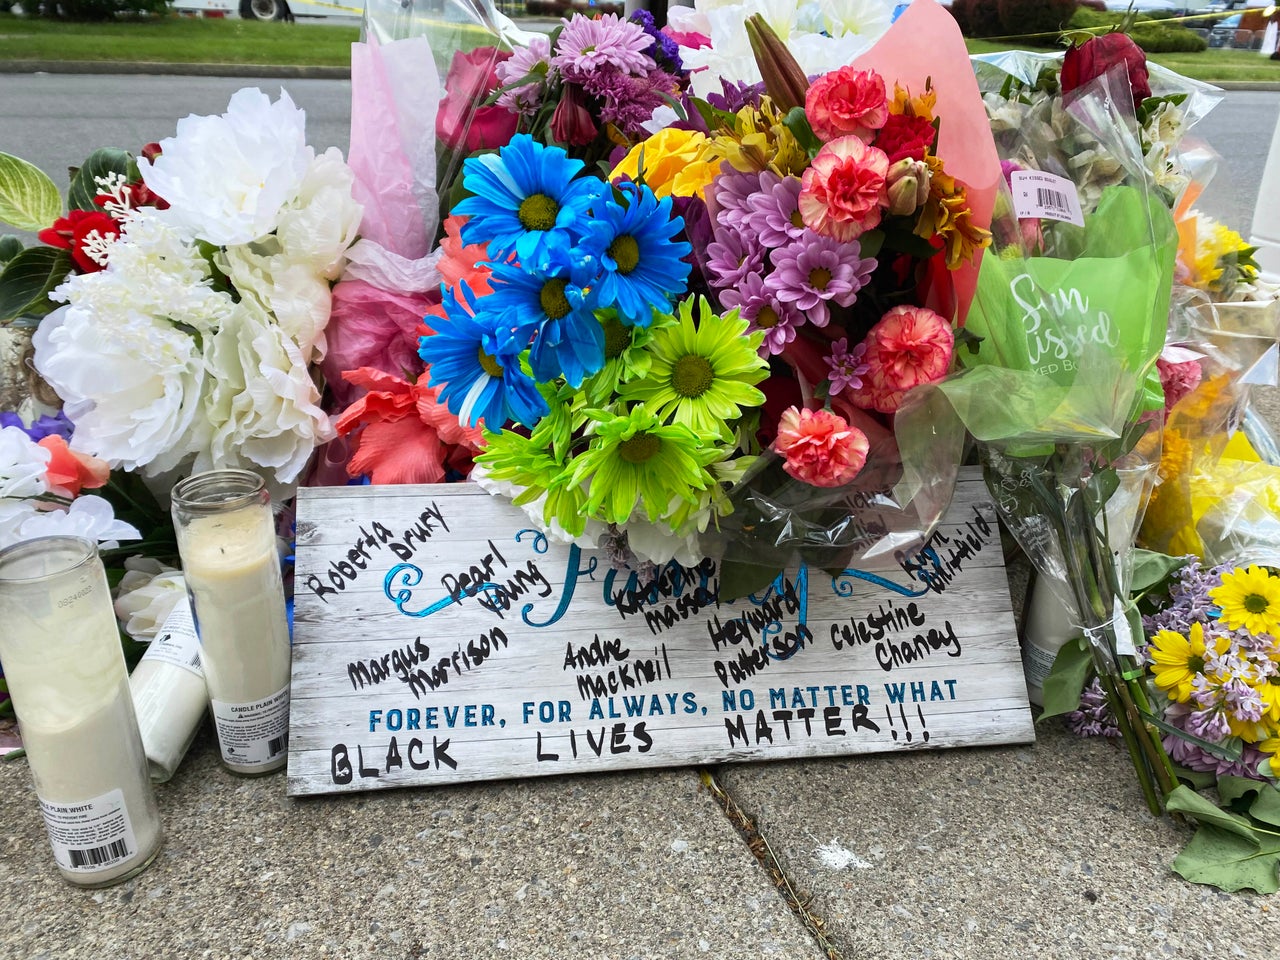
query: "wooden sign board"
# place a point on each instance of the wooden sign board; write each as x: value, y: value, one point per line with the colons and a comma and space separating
x: 438, y: 639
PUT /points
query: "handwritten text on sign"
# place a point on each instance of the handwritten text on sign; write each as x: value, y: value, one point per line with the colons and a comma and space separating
x: 440, y: 639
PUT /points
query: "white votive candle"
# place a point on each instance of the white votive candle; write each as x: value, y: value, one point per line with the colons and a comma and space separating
x: 66, y: 673
x: 226, y: 538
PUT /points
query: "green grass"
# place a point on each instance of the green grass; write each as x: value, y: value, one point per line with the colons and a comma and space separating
x: 178, y: 40
x: 190, y: 40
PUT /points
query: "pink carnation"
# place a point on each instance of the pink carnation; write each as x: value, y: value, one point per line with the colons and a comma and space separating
x: 846, y: 101
x: 844, y: 188
x: 910, y: 346
x: 1178, y: 379
x: 820, y: 448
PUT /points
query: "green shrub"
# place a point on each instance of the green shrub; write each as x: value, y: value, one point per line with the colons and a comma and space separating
x: 1148, y: 33
x: 1040, y: 21
x: 983, y: 17
x: 96, y: 9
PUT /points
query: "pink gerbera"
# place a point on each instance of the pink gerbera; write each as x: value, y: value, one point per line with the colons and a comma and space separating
x: 820, y: 448
x: 844, y: 188
x: 588, y: 44
x: 910, y: 346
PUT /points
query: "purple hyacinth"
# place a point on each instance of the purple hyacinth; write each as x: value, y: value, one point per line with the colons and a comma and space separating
x: 815, y: 271
x: 1194, y: 757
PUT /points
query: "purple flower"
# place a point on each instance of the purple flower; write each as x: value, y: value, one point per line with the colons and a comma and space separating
x: 759, y: 305
x: 814, y: 271
x: 628, y: 101
x: 1242, y: 700
x: 41, y: 427
x: 736, y: 96
x: 586, y: 45
x: 1210, y: 724
x: 1195, y: 757
x: 847, y: 368
x: 1094, y: 717
x: 773, y: 214
x: 730, y: 195
x: 732, y: 257
x: 664, y: 51
x: 533, y: 59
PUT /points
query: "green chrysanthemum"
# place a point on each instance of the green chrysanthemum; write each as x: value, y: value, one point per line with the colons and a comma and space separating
x: 636, y: 459
x: 702, y: 374
x: 625, y: 355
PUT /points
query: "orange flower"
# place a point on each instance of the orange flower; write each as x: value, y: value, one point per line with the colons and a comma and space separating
x: 70, y: 471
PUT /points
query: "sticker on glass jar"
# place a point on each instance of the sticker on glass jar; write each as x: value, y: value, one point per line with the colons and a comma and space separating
x: 253, y: 734
x: 1046, y: 196
x: 1124, y: 635
x: 90, y: 836
x: 177, y: 642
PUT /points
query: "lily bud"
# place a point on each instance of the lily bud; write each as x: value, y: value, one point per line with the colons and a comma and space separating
x: 907, y: 183
x: 784, y: 81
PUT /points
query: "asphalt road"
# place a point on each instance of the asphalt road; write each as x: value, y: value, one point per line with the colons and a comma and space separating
x: 55, y: 120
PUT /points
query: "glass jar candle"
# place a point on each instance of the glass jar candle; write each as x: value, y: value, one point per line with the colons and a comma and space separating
x: 226, y: 537
x: 66, y: 673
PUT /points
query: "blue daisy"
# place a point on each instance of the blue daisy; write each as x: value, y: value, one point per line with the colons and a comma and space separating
x: 474, y: 357
x: 525, y: 200
x: 643, y: 267
x: 568, y: 339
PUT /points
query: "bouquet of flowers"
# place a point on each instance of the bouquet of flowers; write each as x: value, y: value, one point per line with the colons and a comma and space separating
x: 673, y: 321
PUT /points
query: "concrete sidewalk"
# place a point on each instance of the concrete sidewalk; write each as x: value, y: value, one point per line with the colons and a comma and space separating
x: 1042, y: 851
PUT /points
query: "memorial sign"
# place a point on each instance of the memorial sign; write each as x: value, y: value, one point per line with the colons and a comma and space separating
x: 439, y: 638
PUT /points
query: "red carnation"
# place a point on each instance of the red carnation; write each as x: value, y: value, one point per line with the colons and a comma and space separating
x: 1095, y: 57
x: 904, y: 136
x: 71, y: 232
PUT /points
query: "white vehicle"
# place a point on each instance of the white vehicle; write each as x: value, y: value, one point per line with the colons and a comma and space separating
x: 273, y: 9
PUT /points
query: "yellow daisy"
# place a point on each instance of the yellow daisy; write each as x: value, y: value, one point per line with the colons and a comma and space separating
x: 1177, y: 661
x: 1249, y: 599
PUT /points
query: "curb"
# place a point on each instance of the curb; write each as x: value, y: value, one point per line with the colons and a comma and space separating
x: 176, y: 69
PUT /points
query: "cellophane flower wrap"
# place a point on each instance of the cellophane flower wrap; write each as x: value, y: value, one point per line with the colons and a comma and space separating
x: 691, y: 322
x: 1072, y: 308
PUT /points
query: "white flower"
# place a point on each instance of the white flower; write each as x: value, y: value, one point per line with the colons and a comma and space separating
x: 262, y: 404
x: 88, y: 516
x: 23, y: 464
x: 298, y: 298
x: 226, y: 177
x: 13, y: 514
x: 146, y: 596
x: 323, y: 220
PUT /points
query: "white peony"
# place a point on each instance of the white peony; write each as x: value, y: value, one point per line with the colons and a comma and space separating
x: 324, y: 219
x: 23, y: 464
x: 13, y: 514
x: 297, y: 296
x: 88, y: 516
x: 262, y: 404
x: 226, y: 177
x: 146, y: 595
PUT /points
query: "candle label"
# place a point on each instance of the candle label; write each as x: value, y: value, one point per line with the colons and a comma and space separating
x: 253, y: 734
x: 177, y: 642
x: 90, y: 836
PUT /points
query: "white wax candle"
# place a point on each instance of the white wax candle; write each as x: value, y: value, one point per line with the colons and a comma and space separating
x: 169, y: 693
x: 232, y: 570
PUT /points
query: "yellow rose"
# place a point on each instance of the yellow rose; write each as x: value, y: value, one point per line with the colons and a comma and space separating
x: 679, y: 162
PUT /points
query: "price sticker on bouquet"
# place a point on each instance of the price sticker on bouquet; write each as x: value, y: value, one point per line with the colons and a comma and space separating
x: 1045, y: 196
x: 439, y: 639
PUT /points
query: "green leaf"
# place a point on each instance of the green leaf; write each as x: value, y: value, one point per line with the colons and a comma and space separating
x: 869, y: 243
x: 1062, y: 687
x: 1198, y: 779
x: 1231, y: 789
x: 84, y: 186
x: 741, y: 578
x: 28, y: 198
x: 27, y: 280
x: 1185, y: 800
x: 10, y: 247
x: 1230, y: 862
x: 798, y: 124
x: 1267, y: 807
x: 1150, y: 568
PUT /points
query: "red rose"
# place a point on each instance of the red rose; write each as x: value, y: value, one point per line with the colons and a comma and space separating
x: 472, y: 77
x: 904, y: 136
x: 71, y: 232
x: 1095, y: 57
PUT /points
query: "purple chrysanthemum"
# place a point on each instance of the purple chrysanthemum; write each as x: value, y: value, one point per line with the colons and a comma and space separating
x: 759, y: 305
x: 847, y: 366
x: 534, y: 59
x: 730, y: 194
x: 774, y: 213
x: 628, y: 101
x: 587, y: 45
x: 732, y: 257
x: 814, y: 271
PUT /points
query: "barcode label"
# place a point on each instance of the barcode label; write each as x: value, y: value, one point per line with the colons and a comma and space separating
x: 94, y: 835
x: 1045, y: 196
x: 99, y: 856
x: 253, y: 735
x: 276, y: 745
x: 177, y: 642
